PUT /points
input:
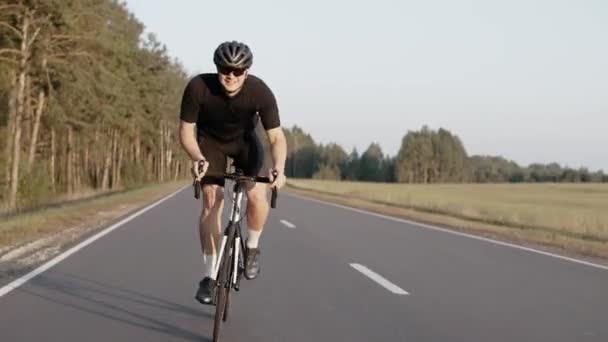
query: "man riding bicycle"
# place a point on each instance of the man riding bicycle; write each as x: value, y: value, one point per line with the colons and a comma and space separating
x: 225, y: 108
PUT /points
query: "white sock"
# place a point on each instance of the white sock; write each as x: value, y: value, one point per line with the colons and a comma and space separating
x: 253, y: 238
x: 209, y: 261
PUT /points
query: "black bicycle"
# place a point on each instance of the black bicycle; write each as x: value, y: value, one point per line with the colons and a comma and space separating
x: 230, y: 266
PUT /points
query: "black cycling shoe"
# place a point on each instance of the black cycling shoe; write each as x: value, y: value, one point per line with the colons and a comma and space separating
x: 206, y: 292
x: 252, y: 263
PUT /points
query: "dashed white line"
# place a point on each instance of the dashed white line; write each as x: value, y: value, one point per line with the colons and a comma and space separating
x: 288, y: 224
x: 379, y: 279
x: 445, y: 230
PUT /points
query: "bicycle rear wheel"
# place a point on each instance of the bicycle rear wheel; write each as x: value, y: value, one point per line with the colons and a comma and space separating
x: 227, y: 301
x: 222, y: 293
x: 236, y: 267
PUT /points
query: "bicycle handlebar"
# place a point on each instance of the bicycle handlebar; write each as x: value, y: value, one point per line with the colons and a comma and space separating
x: 238, y: 177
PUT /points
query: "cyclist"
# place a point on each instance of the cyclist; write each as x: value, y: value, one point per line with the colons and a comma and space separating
x: 224, y: 109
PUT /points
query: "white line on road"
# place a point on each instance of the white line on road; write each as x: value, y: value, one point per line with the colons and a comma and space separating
x: 20, y: 281
x: 379, y: 279
x: 445, y: 230
x: 288, y: 224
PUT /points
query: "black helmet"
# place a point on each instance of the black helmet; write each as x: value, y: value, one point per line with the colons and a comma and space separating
x: 233, y: 55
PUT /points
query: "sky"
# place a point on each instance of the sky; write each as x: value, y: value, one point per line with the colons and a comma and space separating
x: 523, y: 79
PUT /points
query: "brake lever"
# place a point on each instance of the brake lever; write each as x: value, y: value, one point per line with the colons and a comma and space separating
x: 273, y: 199
x: 197, y: 188
x: 197, y: 184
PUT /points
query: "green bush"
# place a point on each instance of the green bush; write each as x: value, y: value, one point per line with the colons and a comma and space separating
x: 133, y: 174
x: 35, y: 188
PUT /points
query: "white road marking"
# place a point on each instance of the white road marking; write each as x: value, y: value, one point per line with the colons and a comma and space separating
x: 288, y: 224
x: 428, y: 226
x: 22, y: 280
x: 379, y: 279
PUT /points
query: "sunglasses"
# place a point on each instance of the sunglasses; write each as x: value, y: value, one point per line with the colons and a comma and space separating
x: 227, y: 71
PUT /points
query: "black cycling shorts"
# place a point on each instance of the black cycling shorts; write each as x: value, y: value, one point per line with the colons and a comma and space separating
x: 247, y: 154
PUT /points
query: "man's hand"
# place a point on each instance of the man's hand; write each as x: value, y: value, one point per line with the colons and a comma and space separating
x: 279, y: 180
x: 199, y: 168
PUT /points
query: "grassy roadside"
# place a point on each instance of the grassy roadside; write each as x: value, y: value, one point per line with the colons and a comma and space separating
x: 21, y: 229
x: 431, y: 204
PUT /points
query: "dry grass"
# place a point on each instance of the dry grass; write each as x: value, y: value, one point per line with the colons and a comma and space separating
x: 564, y: 215
x: 23, y: 228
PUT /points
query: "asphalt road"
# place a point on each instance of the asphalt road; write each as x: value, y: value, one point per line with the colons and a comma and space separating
x: 327, y: 274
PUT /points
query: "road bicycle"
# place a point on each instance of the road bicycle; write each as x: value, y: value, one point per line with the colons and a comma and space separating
x: 228, y: 271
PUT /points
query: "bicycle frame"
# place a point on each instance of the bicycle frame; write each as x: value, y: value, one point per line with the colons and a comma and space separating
x: 234, y: 223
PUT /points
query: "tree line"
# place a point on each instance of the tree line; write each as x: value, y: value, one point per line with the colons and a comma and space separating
x: 86, y: 102
x: 426, y: 156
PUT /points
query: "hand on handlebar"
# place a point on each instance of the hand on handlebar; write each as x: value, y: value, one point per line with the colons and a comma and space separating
x: 199, y: 168
x: 277, y: 178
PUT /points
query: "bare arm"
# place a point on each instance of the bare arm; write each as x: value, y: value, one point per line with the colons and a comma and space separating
x: 278, y: 148
x: 187, y: 138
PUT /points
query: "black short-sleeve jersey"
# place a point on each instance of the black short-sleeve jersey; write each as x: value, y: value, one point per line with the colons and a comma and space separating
x: 228, y: 118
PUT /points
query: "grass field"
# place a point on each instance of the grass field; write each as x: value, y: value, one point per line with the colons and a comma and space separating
x: 570, y: 216
x: 575, y: 211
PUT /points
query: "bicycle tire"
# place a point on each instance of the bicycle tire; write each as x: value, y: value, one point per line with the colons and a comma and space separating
x: 220, y: 299
x: 227, y: 301
x: 223, y: 289
x: 229, y: 282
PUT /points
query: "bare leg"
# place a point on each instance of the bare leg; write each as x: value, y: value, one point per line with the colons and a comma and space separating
x: 257, y: 207
x: 210, y: 223
x: 257, y: 214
